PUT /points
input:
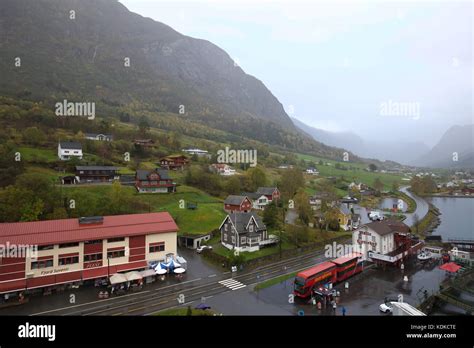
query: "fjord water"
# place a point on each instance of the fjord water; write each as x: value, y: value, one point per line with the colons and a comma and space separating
x: 457, y: 217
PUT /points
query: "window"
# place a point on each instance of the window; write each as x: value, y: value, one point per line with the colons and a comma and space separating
x: 156, y: 247
x: 68, y: 260
x: 42, y: 263
x: 373, y: 239
x: 112, y: 254
x: 97, y: 241
x: 92, y: 257
x: 68, y: 245
x: 233, y: 239
x: 250, y: 228
x: 45, y: 247
x: 226, y: 227
x: 225, y: 237
x: 114, y: 240
x: 242, y: 240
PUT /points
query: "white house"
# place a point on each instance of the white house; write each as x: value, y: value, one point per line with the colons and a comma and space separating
x: 377, y: 237
x: 312, y: 171
x: 98, y: 137
x: 69, y: 149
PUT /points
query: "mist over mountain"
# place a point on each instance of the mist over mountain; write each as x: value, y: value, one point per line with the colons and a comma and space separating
x: 393, y: 150
x: 456, y: 142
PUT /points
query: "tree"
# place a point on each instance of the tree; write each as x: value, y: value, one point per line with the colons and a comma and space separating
x: 372, y: 167
x: 232, y: 185
x: 270, y: 215
x: 303, y: 207
x: 143, y: 126
x: 378, y: 185
x: 256, y: 178
x: 331, y: 218
x: 395, y: 186
x: 33, y: 136
x: 291, y: 181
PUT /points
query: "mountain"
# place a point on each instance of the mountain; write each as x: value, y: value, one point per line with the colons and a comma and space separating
x: 401, y: 152
x: 85, y: 59
x: 457, y: 139
x: 346, y: 140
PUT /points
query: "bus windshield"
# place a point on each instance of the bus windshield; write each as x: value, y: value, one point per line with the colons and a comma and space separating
x: 299, y: 282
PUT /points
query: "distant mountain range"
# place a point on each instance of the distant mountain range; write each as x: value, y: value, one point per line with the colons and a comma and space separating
x: 400, y: 152
x: 456, y: 142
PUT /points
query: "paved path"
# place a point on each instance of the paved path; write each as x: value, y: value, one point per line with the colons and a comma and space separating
x: 421, y: 210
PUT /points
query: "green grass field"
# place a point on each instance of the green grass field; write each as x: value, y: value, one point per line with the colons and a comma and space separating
x: 207, y: 217
x: 359, y: 175
x: 31, y: 154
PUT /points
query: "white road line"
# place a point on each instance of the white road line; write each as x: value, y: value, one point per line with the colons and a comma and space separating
x: 232, y: 284
x: 212, y: 275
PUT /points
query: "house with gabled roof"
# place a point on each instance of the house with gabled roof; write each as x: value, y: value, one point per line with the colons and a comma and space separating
x: 69, y: 149
x: 154, y: 181
x: 244, y: 232
x: 234, y: 203
x: 259, y: 201
x: 272, y: 193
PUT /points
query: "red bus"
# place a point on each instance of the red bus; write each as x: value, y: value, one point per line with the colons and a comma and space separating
x: 306, y: 280
x: 347, y: 266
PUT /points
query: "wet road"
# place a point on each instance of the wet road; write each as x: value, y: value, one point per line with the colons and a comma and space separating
x: 366, y: 292
x: 421, y: 210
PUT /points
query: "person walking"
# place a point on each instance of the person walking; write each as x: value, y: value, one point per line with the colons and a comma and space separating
x: 343, y: 311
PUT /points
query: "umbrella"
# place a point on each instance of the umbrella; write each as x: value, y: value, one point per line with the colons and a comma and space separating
x: 118, y: 278
x: 179, y: 270
x: 450, y: 267
x: 133, y: 275
x: 161, y: 271
x: 203, y: 306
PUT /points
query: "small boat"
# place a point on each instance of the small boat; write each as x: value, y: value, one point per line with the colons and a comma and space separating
x: 424, y: 256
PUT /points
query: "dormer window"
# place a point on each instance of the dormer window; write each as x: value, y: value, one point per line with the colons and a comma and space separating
x: 251, y: 228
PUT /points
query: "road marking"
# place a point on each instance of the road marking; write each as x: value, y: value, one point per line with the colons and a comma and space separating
x: 116, y: 314
x: 232, y: 284
x: 136, y: 309
x: 212, y: 275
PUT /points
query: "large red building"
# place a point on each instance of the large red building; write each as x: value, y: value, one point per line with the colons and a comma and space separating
x: 71, y: 250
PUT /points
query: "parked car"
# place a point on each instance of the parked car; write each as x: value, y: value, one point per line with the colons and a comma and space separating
x: 386, y: 308
x: 375, y: 216
x: 202, y: 248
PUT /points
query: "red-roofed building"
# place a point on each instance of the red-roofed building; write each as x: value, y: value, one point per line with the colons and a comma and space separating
x: 70, y: 250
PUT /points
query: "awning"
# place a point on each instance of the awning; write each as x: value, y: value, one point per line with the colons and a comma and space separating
x: 450, y: 267
x: 133, y: 275
x: 118, y: 278
x: 147, y: 273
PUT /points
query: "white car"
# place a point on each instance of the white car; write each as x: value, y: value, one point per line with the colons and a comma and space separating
x: 386, y: 308
x: 202, y: 248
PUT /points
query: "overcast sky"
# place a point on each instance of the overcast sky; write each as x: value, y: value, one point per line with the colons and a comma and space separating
x: 335, y: 64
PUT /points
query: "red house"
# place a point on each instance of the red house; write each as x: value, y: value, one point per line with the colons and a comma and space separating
x: 235, y: 203
x: 174, y: 162
x: 272, y: 193
x: 154, y: 181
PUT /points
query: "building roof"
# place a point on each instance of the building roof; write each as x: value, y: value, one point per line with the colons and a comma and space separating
x: 142, y: 174
x: 97, y: 134
x: 97, y: 168
x: 71, y: 145
x: 344, y: 209
x: 174, y: 156
x: 385, y: 227
x: 69, y: 230
x: 234, y: 200
x: 241, y: 220
x: 266, y: 190
x: 252, y: 195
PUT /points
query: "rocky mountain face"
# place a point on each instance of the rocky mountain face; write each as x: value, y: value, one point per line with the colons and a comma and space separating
x: 98, y: 50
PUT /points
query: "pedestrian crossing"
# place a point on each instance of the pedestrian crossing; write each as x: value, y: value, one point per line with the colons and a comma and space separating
x: 232, y: 284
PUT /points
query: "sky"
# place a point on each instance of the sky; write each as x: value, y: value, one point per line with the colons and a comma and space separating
x: 395, y: 70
